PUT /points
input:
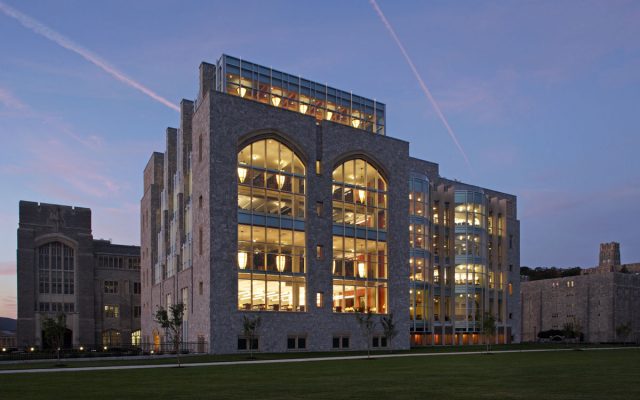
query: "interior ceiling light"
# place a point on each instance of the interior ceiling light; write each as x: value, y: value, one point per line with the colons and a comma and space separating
x: 242, y: 259
x: 242, y: 174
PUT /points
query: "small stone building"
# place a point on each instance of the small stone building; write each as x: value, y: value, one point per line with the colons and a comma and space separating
x: 599, y: 301
x: 62, y: 269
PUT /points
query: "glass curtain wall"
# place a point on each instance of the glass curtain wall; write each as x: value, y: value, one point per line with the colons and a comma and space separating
x: 420, y: 257
x: 278, y: 89
x: 359, y: 238
x: 470, y: 276
x: 271, y: 236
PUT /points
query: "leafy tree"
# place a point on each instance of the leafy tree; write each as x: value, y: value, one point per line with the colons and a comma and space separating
x: 573, y: 330
x: 623, y: 331
x: 488, y: 328
x: 575, y: 271
x: 535, y: 274
x: 171, y: 321
x: 54, y: 329
x: 251, y: 327
x: 367, y: 324
x: 389, y: 327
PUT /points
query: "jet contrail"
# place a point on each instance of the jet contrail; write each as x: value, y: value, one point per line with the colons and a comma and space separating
x: 426, y: 90
x: 68, y: 44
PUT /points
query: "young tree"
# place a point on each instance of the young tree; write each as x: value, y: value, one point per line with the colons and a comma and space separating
x: 171, y: 321
x: 623, y: 331
x: 367, y: 324
x: 577, y: 330
x: 251, y: 327
x: 54, y: 329
x: 568, y: 332
x: 389, y: 327
x: 573, y: 330
x: 488, y: 328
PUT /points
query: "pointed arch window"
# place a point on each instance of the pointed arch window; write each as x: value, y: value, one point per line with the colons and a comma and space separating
x: 56, y: 269
x: 271, y: 237
x: 359, y: 238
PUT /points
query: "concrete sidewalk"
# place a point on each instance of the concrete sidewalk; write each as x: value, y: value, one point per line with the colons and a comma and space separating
x: 290, y: 360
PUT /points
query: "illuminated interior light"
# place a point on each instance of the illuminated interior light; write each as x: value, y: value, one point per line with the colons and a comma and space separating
x: 329, y: 115
x: 361, y: 270
x: 280, y: 262
x: 362, y: 195
x: 304, y: 108
x: 280, y: 180
x: 333, y: 270
x: 242, y: 259
x: 242, y: 174
x: 355, y: 123
x: 275, y: 100
x: 242, y: 91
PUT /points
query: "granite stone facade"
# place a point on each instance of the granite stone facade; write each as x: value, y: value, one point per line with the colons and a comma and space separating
x: 599, y: 301
x: 62, y: 269
x: 190, y: 218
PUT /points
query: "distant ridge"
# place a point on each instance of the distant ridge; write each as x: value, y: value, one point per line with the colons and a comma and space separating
x: 7, y: 324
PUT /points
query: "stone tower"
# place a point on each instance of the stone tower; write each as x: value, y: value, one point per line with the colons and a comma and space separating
x: 609, y: 254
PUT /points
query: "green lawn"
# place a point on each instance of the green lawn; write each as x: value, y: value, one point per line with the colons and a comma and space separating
x: 606, y: 374
x: 103, y: 362
x: 111, y: 361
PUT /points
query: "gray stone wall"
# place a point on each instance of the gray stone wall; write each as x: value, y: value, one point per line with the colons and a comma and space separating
x: 599, y: 303
x: 150, y: 216
x: 233, y: 121
x: 42, y: 223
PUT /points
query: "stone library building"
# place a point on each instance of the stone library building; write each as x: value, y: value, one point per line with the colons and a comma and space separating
x: 283, y: 198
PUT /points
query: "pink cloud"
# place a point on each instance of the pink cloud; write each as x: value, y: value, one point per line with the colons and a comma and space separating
x: 7, y: 268
x: 486, y: 100
x: 547, y: 202
x: 8, y: 306
x: 18, y: 109
x: 80, y: 171
x: 8, y: 100
x: 624, y: 74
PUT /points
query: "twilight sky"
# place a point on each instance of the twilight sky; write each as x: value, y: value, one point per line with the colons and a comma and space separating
x: 544, y: 98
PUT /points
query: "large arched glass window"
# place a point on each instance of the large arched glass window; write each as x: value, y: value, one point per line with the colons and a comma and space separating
x: 56, y: 269
x: 271, y: 237
x: 359, y: 238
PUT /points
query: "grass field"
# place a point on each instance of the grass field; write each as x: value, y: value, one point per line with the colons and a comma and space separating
x: 609, y: 374
x: 114, y: 361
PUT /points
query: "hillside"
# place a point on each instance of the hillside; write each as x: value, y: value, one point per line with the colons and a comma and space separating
x: 7, y: 324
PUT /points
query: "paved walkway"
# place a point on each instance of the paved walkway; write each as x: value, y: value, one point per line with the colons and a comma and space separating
x: 290, y: 360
